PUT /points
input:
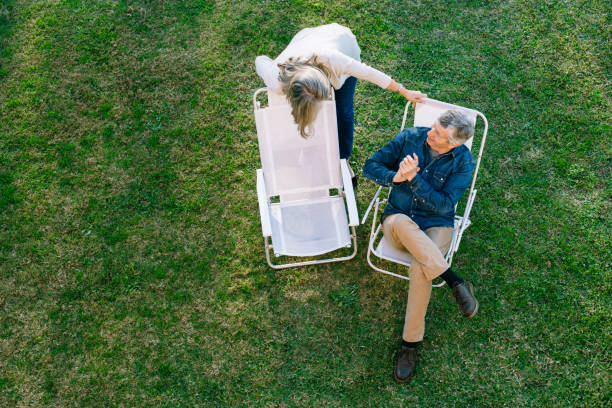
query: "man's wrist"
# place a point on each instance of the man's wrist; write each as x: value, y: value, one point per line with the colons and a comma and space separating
x: 391, y: 178
x: 412, y: 179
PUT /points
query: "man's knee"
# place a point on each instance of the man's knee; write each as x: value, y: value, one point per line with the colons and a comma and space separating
x: 396, y: 227
x: 402, y: 222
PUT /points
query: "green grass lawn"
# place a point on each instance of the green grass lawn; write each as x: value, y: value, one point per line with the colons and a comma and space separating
x: 132, y: 269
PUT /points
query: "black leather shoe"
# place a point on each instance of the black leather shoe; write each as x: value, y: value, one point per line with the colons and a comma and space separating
x: 464, y: 294
x: 406, y: 364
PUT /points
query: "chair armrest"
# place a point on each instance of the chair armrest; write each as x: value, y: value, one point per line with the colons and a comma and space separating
x: 365, y: 216
x: 264, y: 212
x: 349, y: 193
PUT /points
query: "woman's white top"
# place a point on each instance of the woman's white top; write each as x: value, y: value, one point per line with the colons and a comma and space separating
x: 336, y: 47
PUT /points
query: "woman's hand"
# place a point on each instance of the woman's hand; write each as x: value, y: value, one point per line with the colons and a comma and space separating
x: 413, y: 96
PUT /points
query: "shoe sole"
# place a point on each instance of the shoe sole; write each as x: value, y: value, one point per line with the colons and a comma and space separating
x: 399, y: 380
x: 474, y: 312
x: 471, y: 289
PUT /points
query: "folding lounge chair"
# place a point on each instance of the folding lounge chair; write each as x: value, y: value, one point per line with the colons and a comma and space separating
x: 297, y: 211
x: 424, y: 115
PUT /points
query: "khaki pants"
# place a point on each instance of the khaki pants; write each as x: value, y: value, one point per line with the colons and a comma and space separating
x: 427, y: 249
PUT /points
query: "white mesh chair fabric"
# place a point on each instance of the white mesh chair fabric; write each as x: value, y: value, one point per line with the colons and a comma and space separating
x: 293, y: 165
x: 276, y: 99
x: 390, y: 252
x: 309, y: 228
x: 306, y: 220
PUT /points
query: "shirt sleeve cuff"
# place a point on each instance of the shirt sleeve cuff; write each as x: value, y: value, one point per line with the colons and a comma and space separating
x: 413, y: 183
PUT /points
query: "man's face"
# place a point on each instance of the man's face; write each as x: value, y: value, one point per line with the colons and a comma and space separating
x: 437, y: 138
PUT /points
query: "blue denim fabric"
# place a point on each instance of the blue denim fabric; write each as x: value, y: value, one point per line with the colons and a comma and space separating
x: 429, y: 199
x: 345, y: 116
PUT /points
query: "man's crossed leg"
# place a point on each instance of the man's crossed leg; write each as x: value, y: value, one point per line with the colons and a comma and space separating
x: 427, y: 249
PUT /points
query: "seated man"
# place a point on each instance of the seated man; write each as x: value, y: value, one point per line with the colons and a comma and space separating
x: 429, y: 169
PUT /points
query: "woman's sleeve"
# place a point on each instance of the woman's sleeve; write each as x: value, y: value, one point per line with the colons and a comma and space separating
x: 268, y: 71
x: 343, y: 64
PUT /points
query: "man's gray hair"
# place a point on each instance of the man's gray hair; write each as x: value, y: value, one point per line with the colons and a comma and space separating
x: 458, y: 120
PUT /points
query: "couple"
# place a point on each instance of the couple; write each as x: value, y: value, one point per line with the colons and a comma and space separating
x: 428, y: 168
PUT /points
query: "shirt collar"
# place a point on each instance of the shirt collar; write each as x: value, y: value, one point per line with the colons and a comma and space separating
x: 426, y: 147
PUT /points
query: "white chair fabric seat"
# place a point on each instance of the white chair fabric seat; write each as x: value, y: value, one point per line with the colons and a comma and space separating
x: 309, y: 228
x: 386, y: 250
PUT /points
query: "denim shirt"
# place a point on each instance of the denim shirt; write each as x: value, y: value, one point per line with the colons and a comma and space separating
x: 429, y: 199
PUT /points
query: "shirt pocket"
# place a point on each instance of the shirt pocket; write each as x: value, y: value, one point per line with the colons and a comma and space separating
x: 438, y: 180
x: 423, y: 205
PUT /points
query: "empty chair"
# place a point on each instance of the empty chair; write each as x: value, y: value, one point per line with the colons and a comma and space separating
x: 306, y: 200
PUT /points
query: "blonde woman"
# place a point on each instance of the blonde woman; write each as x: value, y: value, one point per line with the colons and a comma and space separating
x: 316, y: 60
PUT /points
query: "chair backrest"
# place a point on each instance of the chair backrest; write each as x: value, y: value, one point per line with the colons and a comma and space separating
x: 425, y: 114
x: 275, y: 99
x: 293, y: 167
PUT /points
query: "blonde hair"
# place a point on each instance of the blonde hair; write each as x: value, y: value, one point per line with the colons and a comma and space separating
x: 305, y: 82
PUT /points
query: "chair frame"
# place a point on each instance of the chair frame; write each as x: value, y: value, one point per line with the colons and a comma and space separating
x: 461, y: 222
x: 346, y: 193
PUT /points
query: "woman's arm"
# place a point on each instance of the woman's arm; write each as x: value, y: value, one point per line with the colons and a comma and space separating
x: 268, y: 71
x: 412, y: 96
x: 343, y: 64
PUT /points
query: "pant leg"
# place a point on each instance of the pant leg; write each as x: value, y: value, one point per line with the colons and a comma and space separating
x: 419, y: 291
x: 345, y: 116
x: 406, y: 233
